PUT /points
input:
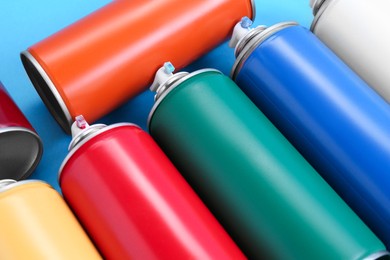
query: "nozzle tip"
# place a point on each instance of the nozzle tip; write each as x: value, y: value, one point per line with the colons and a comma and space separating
x: 80, y: 122
x: 168, y: 67
x: 246, y: 22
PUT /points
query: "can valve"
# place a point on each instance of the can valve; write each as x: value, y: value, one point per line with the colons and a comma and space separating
x: 79, y: 125
x: 240, y: 30
x: 81, y: 130
x: 165, y: 78
x: 162, y: 75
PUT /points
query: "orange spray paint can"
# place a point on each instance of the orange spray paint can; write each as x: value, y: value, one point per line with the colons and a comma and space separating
x: 99, y: 62
x: 36, y: 223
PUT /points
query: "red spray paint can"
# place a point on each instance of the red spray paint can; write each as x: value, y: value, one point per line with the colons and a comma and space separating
x: 20, y: 146
x: 132, y: 200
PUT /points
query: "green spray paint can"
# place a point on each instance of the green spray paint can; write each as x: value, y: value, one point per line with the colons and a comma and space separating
x: 270, y: 200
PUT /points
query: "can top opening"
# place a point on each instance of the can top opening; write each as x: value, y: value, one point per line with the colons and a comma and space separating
x: 20, y: 152
x: 47, y: 91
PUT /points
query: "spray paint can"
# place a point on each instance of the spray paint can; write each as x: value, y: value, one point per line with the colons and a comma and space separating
x: 327, y: 112
x: 36, y: 223
x: 357, y: 31
x: 20, y: 146
x: 84, y: 69
x: 270, y: 200
x: 132, y: 200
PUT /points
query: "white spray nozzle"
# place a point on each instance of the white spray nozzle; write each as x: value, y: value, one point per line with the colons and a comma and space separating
x: 240, y: 30
x: 79, y: 125
x: 162, y: 75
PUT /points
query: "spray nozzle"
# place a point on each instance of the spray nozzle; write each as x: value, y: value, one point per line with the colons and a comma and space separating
x: 165, y: 78
x: 81, y: 129
x: 79, y: 125
x: 162, y: 75
x: 240, y: 30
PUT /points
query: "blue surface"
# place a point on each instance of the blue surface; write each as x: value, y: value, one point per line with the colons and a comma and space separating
x: 25, y: 22
x: 329, y: 114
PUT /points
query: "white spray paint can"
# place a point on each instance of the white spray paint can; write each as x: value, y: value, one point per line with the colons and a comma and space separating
x: 358, y: 32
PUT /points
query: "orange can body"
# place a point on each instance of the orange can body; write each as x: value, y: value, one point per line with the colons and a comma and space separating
x: 96, y: 64
x: 36, y: 223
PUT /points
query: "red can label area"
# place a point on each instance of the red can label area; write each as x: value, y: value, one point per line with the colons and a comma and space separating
x: 121, y: 174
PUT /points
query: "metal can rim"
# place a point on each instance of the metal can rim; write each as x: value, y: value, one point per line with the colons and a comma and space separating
x: 87, y: 139
x: 47, y: 91
x: 86, y: 133
x: 247, y: 38
x: 254, y: 42
x: 253, y: 4
x: 318, y: 11
x: 317, y: 5
x: 20, y: 183
x: 172, y: 87
x: 38, y: 140
x: 177, y: 76
x: 377, y: 255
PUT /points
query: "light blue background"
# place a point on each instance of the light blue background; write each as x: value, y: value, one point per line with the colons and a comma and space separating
x: 25, y: 22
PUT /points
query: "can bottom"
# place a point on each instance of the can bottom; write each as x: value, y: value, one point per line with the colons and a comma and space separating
x: 20, y: 152
x: 47, y: 91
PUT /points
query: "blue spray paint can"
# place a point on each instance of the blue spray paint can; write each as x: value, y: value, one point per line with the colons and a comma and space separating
x: 326, y: 111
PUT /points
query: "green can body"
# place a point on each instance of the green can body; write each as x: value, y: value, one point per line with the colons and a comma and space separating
x: 270, y: 200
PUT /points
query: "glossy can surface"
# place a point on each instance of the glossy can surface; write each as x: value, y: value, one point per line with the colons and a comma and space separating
x: 270, y: 200
x: 96, y: 64
x: 358, y: 32
x: 20, y: 146
x: 135, y: 204
x: 329, y: 114
x: 36, y: 223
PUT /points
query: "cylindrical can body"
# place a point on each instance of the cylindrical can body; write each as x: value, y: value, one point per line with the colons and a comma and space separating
x: 358, y: 32
x: 135, y: 204
x: 20, y: 146
x: 94, y: 65
x: 36, y: 223
x: 270, y: 200
x: 329, y: 114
